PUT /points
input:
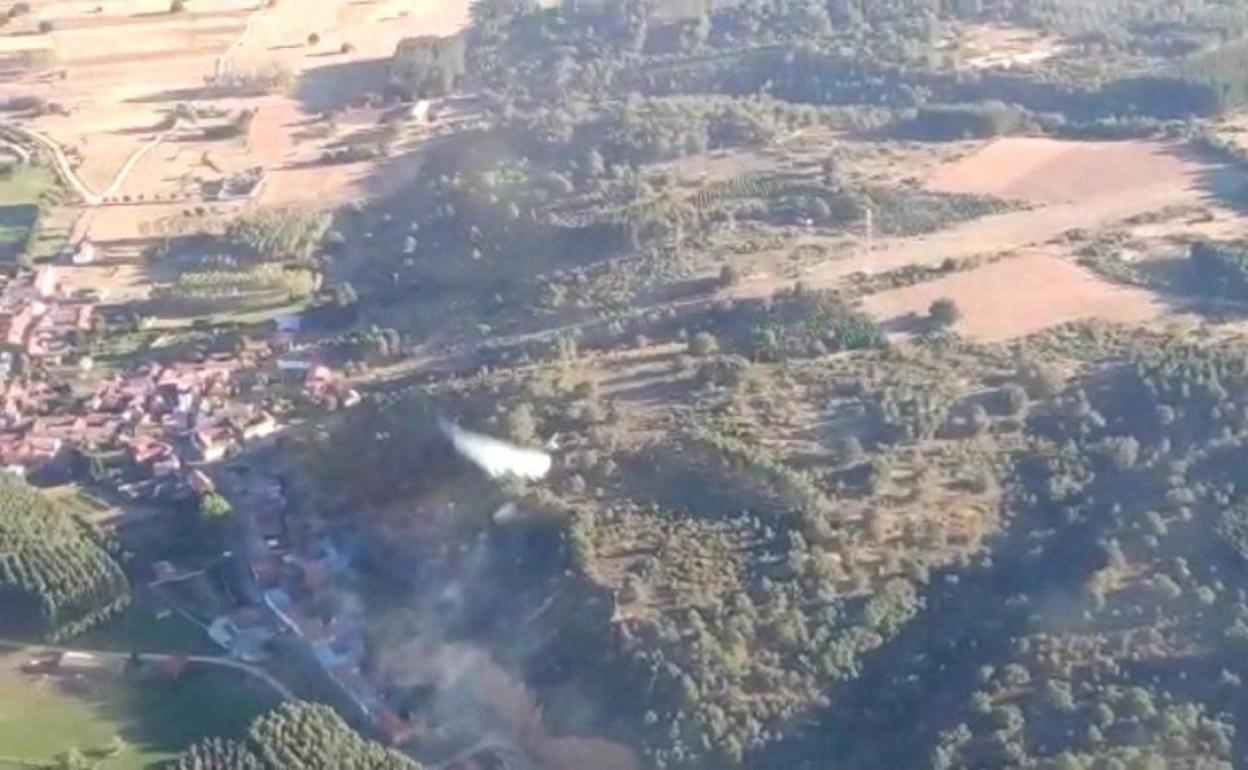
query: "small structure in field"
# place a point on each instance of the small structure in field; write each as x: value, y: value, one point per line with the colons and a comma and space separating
x: 84, y: 254
x: 421, y: 111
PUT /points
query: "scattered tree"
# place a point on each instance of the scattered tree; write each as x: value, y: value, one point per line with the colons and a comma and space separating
x: 944, y: 312
x: 214, y: 507
x: 521, y: 425
x: 703, y: 344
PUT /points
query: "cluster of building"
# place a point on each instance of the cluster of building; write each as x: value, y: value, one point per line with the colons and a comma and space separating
x: 304, y: 592
x: 38, y: 320
x: 148, y: 428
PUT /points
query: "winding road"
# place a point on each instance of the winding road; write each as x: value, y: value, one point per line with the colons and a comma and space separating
x: 71, y: 178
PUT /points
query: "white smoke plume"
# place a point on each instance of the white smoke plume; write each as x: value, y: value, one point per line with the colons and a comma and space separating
x: 496, y: 457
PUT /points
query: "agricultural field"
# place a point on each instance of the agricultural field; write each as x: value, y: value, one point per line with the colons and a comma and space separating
x: 43, y: 717
x: 21, y: 198
x: 212, y: 105
x: 1058, y: 292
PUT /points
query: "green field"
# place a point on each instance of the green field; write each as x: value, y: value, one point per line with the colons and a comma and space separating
x: 146, y: 626
x: 41, y: 717
x: 25, y: 185
x: 20, y: 191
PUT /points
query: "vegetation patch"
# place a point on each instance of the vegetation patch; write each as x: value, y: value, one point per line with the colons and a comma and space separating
x: 119, y: 721
x: 23, y: 190
x: 296, y: 734
x: 59, y: 579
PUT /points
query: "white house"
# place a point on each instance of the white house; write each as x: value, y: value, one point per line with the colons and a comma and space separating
x: 45, y: 280
x: 84, y: 254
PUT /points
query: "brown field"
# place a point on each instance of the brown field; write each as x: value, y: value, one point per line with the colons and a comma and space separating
x: 1019, y: 296
x: 1085, y: 185
x: 1055, y: 171
x: 119, y: 96
x: 1089, y: 186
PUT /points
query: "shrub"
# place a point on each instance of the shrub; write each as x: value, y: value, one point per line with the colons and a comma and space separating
x: 703, y: 344
x: 958, y: 121
x: 944, y: 312
x: 521, y: 425
x: 177, y: 6
x: 270, y: 79
x: 1221, y: 268
x: 805, y: 323
x: 213, y: 506
x: 847, y: 450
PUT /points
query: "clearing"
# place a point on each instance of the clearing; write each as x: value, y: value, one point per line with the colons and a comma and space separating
x: 1086, y: 186
x: 1053, y: 291
x: 1055, y: 171
x: 990, y: 47
x: 42, y: 716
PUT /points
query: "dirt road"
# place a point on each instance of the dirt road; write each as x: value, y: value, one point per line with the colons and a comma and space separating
x: 71, y: 178
x: 1014, y: 230
x: 208, y: 660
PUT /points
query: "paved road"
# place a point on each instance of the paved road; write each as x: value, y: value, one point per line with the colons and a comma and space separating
x: 207, y: 660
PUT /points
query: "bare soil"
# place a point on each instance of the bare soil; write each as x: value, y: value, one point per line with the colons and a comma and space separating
x: 1055, y: 171
x: 1016, y: 297
x: 119, y: 96
x: 1072, y: 186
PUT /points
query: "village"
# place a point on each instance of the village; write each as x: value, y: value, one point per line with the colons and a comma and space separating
x: 147, y: 427
x: 167, y: 439
x: 163, y: 433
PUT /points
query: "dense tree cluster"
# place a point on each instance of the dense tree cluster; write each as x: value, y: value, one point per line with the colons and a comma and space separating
x: 966, y: 121
x: 279, y: 234
x: 426, y: 67
x: 58, y: 580
x: 1221, y: 268
x: 1112, y: 18
x: 295, y: 735
x: 379, y: 454
x: 806, y: 323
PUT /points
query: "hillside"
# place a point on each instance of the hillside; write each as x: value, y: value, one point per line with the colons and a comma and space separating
x: 809, y: 504
x: 675, y: 384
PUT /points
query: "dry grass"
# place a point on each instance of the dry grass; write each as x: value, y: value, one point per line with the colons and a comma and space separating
x: 1019, y: 296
